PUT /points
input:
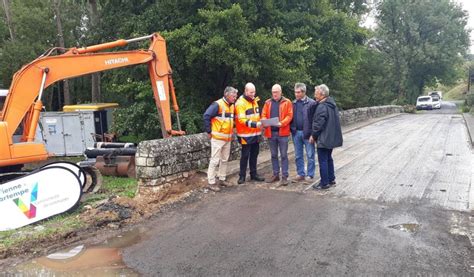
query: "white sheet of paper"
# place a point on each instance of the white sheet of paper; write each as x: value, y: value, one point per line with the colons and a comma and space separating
x: 270, y: 122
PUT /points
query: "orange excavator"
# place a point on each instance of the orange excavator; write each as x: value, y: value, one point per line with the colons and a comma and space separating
x: 23, y: 106
x: 23, y: 103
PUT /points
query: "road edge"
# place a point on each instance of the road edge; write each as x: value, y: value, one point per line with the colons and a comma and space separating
x: 469, y: 121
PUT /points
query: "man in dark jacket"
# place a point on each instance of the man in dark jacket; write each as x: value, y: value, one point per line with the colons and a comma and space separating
x: 327, y: 133
x: 300, y: 127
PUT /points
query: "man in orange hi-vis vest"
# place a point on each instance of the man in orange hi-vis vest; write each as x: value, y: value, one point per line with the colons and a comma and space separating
x: 219, y: 125
x: 248, y: 132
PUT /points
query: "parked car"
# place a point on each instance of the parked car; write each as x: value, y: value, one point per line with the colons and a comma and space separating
x: 435, y: 101
x: 3, y: 96
x: 424, y: 103
x: 439, y: 93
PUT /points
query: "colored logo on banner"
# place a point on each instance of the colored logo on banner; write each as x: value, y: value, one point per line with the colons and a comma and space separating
x: 31, y: 211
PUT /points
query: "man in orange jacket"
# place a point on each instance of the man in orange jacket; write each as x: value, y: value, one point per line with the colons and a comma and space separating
x: 281, y: 108
x: 248, y: 132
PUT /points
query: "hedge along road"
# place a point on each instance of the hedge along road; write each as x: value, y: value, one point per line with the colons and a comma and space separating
x: 401, y: 206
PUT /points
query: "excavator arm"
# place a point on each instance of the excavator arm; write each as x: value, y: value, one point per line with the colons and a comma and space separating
x: 23, y: 103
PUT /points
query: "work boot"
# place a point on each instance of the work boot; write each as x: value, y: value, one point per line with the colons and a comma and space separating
x: 298, y: 179
x: 257, y: 178
x: 213, y: 187
x: 224, y: 183
x: 241, y: 180
x: 273, y: 178
x: 284, y: 181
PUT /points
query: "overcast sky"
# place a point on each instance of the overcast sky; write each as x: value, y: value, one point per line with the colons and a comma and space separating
x: 468, y: 5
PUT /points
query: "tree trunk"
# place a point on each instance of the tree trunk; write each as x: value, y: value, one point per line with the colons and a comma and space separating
x: 57, y: 13
x: 8, y: 17
x: 96, y: 95
x: 95, y: 90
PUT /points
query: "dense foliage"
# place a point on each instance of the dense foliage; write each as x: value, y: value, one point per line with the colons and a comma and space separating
x: 212, y: 44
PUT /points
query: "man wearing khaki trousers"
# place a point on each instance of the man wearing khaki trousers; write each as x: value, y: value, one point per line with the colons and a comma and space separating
x: 219, y: 125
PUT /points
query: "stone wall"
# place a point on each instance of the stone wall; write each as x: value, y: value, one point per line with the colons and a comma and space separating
x: 165, y: 161
x: 361, y: 114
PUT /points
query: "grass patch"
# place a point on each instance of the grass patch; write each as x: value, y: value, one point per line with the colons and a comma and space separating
x: 456, y: 93
x: 119, y: 186
x: 56, y: 226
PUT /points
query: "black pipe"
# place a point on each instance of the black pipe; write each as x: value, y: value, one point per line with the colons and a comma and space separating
x: 114, y: 145
x: 93, y: 153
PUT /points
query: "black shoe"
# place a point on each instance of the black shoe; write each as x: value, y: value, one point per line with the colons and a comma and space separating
x: 241, y: 180
x: 257, y: 178
x: 320, y: 187
x: 332, y: 183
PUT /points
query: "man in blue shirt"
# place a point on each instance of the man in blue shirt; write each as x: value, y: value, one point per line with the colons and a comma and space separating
x: 301, y: 132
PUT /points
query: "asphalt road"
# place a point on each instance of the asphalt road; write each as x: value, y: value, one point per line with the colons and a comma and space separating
x: 401, y: 206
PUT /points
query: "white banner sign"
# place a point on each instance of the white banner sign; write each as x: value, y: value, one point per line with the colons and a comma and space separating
x: 36, y: 196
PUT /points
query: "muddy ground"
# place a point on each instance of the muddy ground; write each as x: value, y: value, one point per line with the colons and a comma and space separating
x: 106, y: 218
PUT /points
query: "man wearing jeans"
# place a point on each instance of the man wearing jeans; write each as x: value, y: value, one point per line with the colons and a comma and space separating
x: 327, y: 133
x: 301, y: 132
x: 281, y: 108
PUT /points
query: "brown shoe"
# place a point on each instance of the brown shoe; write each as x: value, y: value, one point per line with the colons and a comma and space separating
x: 224, y: 183
x: 284, y: 181
x: 298, y: 179
x: 273, y: 179
x: 213, y: 187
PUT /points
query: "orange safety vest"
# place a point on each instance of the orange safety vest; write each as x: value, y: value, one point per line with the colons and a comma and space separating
x: 247, y: 115
x: 222, y: 125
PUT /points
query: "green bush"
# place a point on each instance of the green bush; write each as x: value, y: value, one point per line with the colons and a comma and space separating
x: 465, y: 108
x: 409, y: 108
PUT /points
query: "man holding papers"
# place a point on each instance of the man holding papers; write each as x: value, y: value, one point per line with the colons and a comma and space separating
x: 276, y: 117
x: 248, y: 128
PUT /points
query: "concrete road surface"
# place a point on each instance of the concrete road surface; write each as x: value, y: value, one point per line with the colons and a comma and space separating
x: 402, y: 206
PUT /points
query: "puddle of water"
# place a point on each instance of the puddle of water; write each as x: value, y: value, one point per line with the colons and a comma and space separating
x: 104, y: 259
x: 406, y: 227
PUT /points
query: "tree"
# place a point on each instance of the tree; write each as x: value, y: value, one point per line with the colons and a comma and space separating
x: 59, y: 26
x: 33, y: 25
x: 424, y: 41
x: 8, y: 18
x: 95, y: 85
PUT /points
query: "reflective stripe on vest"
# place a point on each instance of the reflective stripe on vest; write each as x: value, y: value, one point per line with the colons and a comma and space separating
x: 221, y: 134
x: 248, y: 112
x: 222, y: 125
x: 249, y: 135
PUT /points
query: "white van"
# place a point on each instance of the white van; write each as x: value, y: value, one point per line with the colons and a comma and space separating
x: 424, y: 103
x: 436, y: 101
x: 3, y: 96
